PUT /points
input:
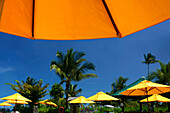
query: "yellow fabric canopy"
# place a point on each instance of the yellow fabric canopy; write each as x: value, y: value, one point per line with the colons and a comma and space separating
x: 157, y: 98
x: 80, y: 19
x: 101, y: 96
x: 16, y: 97
x: 47, y: 102
x: 16, y: 102
x: 5, y: 104
x: 146, y: 88
x: 81, y: 99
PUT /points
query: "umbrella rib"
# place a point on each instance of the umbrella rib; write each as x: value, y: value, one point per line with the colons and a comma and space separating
x: 159, y: 90
x: 131, y: 91
x: 111, y: 18
x: 33, y: 10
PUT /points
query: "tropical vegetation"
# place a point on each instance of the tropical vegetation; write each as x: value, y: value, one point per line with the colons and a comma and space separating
x: 72, y: 67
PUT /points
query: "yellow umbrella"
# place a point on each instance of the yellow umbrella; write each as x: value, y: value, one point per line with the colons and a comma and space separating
x: 16, y: 97
x: 81, y: 100
x: 101, y: 96
x: 47, y: 101
x: 5, y: 104
x: 16, y: 102
x: 146, y: 88
x: 80, y: 19
x: 156, y: 98
x: 51, y: 103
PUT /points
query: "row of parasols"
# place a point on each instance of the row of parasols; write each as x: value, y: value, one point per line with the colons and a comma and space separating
x: 143, y: 88
x: 19, y: 99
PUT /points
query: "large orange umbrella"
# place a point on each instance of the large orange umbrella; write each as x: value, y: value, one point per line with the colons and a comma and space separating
x: 146, y: 88
x: 80, y: 19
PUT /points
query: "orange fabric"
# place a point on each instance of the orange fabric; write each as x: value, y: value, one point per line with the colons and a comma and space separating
x: 133, y: 15
x: 80, y: 19
x: 72, y: 20
x: 16, y: 18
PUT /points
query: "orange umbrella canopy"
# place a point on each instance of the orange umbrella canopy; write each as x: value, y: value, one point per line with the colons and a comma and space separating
x: 80, y: 19
x: 146, y: 88
x: 16, y: 97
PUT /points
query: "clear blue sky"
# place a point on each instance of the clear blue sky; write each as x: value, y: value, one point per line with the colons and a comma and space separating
x: 21, y: 57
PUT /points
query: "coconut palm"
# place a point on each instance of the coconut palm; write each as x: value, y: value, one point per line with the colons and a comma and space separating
x: 149, y: 59
x: 119, y: 84
x: 71, y: 67
x: 72, y: 90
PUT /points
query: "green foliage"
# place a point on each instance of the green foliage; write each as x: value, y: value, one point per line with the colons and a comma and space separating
x: 57, y: 91
x: 31, y: 89
x: 149, y: 59
x: 71, y: 67
x: 73, y: 92
x: 119, y: 84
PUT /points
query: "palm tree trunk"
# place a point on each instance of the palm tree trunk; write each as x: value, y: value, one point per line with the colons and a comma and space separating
x: 148, y: 70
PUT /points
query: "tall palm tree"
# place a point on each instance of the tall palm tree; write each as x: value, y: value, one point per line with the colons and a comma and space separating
x: 119, y: 84
x: 71, y: 67
x: 72, y: 90
x: 162, y: 75
x: 149, y: 59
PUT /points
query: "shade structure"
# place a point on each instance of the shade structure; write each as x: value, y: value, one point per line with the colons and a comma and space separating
x: 101, y: 96
x: 80, y: 19
x: 5, y: 104
x: 47, y: 102
x: 16, y: 97
x: 156, y: 98
x: 81, y: 99
x: 51, y: 104
x: 16, y: 102
x: 146, y: 88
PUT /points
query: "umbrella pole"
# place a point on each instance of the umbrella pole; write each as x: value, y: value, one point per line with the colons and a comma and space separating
x: 81, y: 107
x: 157, y: 106
x: 101, y: 107
x: 147, y: 101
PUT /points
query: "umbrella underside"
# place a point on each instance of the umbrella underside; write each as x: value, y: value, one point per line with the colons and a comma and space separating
x: 80, y: 19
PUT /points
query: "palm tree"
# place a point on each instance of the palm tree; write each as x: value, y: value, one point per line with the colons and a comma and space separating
x: 31, y: 89
x: 119, y: 84
x: 72, y: 90
x: 162, y: 75
x: 149, y: 59
x: 71, y: 67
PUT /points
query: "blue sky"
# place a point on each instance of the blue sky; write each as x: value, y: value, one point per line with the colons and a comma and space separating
x: 21, y: 57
